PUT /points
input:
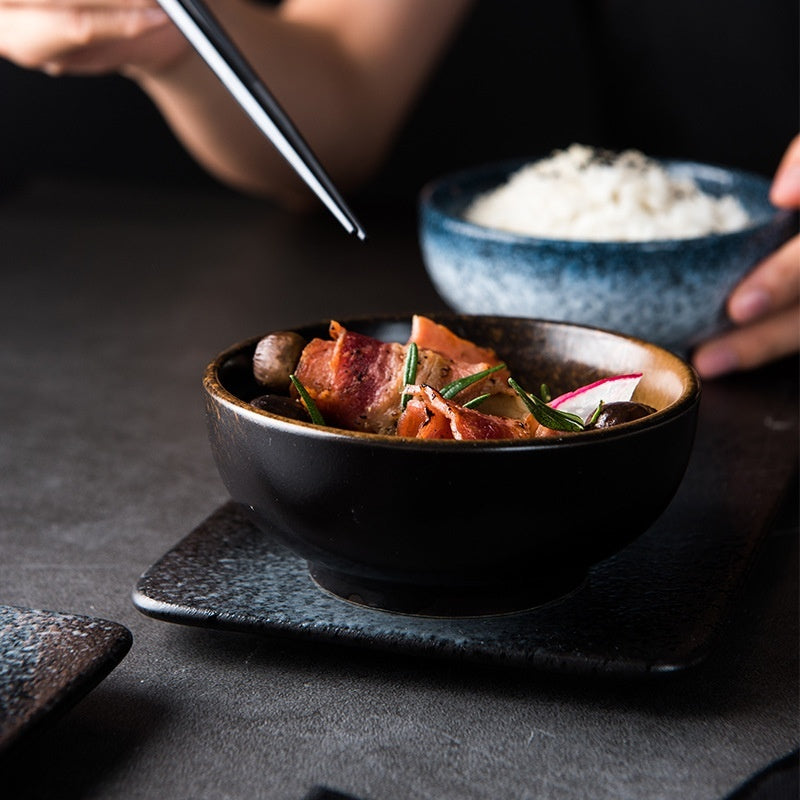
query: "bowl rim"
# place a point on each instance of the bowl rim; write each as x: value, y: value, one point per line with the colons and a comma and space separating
x: 426, y: 204
x: 689, y: 397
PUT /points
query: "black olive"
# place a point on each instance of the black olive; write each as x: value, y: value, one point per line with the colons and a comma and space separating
x: 617, y: 413
x: 281, y: 405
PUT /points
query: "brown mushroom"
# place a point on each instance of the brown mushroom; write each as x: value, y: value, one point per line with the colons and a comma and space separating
x: 275, y: 358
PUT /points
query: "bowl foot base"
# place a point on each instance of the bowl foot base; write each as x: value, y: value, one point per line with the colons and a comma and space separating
x: 444, y: 601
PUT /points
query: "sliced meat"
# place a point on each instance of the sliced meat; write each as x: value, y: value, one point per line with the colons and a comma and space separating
x: 354, y: 380
x: 428, y: 415
x: 430, y: 335
x: 357, y: 382
x: 420, y: 422
x: 437, y: 370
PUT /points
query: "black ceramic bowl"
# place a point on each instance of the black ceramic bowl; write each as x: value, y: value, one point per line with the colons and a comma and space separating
x: 455, y: 527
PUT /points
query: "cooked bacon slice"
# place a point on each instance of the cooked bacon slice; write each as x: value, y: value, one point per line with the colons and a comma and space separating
x: 429, y: 416
x: 356, y: 381
x: 437, y: 370
x: 430, y: 335
x: 441, y: 349
x: 420, y: 422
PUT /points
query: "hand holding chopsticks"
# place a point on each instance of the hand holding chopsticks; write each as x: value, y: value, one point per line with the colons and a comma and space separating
x: 215, y: 47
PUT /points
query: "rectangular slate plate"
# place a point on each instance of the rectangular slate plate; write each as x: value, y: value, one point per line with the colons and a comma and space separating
x: 654, y: 608
x: 49, y: 660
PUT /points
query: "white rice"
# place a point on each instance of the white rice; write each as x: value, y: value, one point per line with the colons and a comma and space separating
x: 581, y: 193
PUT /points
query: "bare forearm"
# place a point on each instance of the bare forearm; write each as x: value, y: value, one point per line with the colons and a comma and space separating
x: 347, y: 87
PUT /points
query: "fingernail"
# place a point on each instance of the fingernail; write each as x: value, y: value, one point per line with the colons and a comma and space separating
x: 715, y: 360
x: 785, y: 183
x: 749, y: 305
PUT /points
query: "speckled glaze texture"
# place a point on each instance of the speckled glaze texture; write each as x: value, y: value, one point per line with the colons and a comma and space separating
x: 410, y: 524
x: 669, y: 292
x: 656, y: 607
x: 47, y: 661
x: 653, y: 608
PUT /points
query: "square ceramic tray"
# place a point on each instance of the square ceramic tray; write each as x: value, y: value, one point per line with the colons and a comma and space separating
x: 49, y: 660
x: 654, y: 608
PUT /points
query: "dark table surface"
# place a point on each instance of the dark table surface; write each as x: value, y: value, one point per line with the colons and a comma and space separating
x: 113, y: 299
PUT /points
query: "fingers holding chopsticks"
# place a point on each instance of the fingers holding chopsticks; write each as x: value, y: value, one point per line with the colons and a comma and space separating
x: 87, y: 36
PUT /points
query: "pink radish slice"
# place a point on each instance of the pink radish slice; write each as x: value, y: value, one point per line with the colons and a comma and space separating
x: 584, y: 401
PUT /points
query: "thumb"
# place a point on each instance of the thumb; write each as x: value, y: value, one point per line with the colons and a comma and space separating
x: 785, y: 191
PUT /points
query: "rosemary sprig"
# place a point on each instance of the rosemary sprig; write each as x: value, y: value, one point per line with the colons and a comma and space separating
x: 545, y: 415
x: 476, y: 401
x: 595, y: 414
x: 410, y: 369
x: 310, y: 405
x: 452, y: 389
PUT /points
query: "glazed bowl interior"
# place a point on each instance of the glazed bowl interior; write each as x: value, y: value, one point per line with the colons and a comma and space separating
x: 457, y: 527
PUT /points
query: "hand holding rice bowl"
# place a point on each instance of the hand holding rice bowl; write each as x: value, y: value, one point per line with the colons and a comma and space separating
x: 647, y: 248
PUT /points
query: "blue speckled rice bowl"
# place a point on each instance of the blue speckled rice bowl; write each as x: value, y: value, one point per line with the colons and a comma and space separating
x: 670, y: 292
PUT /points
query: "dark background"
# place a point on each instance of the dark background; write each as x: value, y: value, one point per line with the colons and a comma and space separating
x: 714, y: 81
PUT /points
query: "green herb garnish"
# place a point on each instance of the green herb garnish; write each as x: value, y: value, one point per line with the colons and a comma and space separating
x: 595, y: 414
x: 545, y: 415
x: 410, y: 369
x: 310, y: 405
x: 452, y: 389
x: 544, y: 393
x: 476, y: 401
